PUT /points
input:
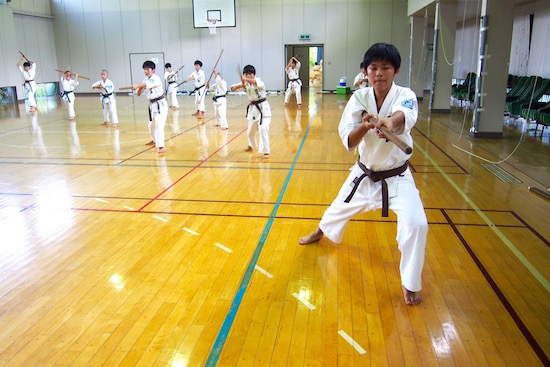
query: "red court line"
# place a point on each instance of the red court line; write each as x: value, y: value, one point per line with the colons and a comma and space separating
x: 192, y: 169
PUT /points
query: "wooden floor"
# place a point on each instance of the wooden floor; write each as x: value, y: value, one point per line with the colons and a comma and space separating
x: 111, y: 254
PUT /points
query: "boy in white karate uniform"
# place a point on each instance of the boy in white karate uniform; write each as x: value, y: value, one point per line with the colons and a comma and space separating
x: 220, y: 102
x: 294, y: 82
x: 107, y: 97
x: 200, y: 88
x: 67, y: 86
x: 28, y: 69
x: 158, y: 108
x: 381, y: 177
x: 258, y: 111
x: 361, y: 80
x: 171, y: 86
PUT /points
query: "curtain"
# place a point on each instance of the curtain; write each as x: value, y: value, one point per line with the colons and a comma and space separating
x: 519, y: 49
x: 466, y: 50
x: 540, y: 45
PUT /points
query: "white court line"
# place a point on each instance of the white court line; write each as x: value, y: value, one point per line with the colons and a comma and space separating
x: 103, y: 201
x: 304, y: 301
x: 159, y: 218
x: 263, y: 271
x: 190, y: 231
x: 348, y: 338
x: 223, y: 247
x: 129, y: 208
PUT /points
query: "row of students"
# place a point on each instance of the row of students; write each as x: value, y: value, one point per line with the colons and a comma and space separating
x: 258, y: 111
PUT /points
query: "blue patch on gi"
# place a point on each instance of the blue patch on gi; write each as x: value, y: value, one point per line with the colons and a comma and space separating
x: 151, y: 80
x: 409, y: 103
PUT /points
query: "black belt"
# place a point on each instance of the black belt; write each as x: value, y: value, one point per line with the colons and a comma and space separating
x: 215, y: 98
x: 375, y: 177
x: 103, y: 96
x: 151, y: 101
x: 257, y: 104
x: 29, y: 83
x: 66, y: 93
x: 293, y: 80
x: 171, y: 82
x: 196, y: 89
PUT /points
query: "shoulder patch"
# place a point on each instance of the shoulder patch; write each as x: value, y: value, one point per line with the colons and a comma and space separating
x: 151, y: 80
x: 409, y: 103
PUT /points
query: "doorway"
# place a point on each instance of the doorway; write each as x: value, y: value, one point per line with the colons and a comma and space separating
x: 311, y: 58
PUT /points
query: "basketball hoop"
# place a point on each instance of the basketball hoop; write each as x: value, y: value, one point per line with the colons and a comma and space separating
x: 212, y: 25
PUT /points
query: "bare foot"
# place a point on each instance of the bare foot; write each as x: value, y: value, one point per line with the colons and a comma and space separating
x: 150, y: 143
x: 224, y: 128
x: 195, y: 114
x: 312, y: 237
x: 299, y: 106
x: 265, y: 156
x: 105, y: 123
x: 411, y: 298
x: 161, y: 150
x: 248, y: 149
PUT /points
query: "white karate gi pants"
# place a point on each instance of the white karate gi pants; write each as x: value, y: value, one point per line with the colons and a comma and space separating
x: 253, y: 128
x: 294, y: 87
x: 404, y: 200
x: 199, y: 102
x: 172, y: 95
x: 109, y: 105
x: 69, y: 102
x: 220, y: 109
x: 158, y: 120
x: 31, y: 89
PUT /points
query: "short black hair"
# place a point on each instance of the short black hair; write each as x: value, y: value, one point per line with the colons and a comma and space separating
x: 362, y: 65
x: 198, y: 62
x: 168, y: 65
x: 383, y: 52
x: 149, y: 64
x: 249, y: 69
x: 26, y: 63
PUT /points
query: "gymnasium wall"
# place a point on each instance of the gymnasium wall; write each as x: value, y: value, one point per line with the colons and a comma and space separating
x: 26, y: 26
x: 92, y: 35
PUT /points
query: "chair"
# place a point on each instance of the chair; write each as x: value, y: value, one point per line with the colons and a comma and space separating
x: 466, y: 90
x: 533, y: 92
x: 517, y: 89
x: 544, y: 119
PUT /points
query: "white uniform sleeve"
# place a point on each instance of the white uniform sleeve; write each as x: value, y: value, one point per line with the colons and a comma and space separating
x: 110, y: 86
x: 407, y: 103
x: 259, y: 84
x: 96, y: 84
x: 351, y: 119
x: 356, y: 80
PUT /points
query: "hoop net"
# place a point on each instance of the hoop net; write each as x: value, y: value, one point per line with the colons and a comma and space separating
x: 212, y: 25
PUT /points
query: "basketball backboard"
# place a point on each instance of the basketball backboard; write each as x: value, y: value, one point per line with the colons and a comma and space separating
x: 223, y: 11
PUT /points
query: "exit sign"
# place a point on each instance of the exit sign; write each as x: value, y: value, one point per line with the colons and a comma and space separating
x: 305, y: 37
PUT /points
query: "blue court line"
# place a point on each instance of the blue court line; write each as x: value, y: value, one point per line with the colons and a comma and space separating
x: 228, y: 322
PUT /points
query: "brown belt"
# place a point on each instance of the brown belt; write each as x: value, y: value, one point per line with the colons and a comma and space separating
x: 257, y: 104
x: 376, y: 176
